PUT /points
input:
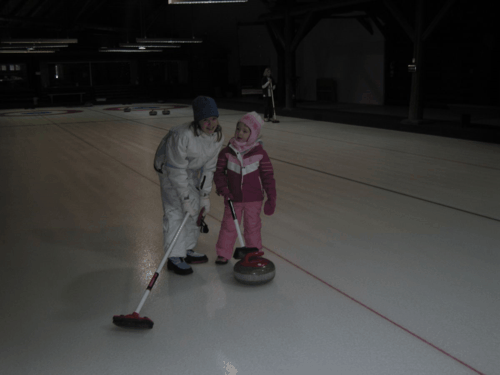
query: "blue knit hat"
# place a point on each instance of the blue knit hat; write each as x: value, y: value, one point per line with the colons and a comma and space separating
x: 204, y: 107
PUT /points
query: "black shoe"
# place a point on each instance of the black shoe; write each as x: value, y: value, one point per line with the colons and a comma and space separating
x: 221, y: 260
x: 179, y: 266
x: 193, y: 257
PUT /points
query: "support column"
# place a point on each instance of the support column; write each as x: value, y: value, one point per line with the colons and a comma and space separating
x: 289, y: 55
x: 416, y: 111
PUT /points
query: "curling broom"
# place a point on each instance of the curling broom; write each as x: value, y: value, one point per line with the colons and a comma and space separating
x: 274, y: 120
x: 134, y: 320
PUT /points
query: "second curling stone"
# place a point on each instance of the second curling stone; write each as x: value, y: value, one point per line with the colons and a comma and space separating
x: 254, y: 270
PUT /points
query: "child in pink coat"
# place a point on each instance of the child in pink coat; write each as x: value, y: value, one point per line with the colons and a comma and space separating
x: 244, y: 171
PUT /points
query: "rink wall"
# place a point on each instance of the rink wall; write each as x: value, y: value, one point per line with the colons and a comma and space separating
x: 345, y: 52
x: 341, y: 51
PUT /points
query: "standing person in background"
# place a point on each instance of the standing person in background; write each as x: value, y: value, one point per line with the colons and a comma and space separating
x: 185, y: 161
x: 268, y: 84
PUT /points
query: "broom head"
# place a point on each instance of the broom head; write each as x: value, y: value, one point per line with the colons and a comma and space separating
x: 132, y: 321
x: 240, y: 252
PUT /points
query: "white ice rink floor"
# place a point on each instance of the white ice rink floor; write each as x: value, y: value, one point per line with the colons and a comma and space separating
x: 386, y: 246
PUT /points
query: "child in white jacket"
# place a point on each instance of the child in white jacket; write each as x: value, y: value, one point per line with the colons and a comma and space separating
x: 185, y: 161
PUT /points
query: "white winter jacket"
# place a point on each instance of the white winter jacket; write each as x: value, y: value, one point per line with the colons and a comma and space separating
x: 188, y: 159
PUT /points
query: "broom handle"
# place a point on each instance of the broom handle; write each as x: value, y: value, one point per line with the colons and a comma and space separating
x: 272, y: 97
x: 236, y: 223
x: 163, y: 261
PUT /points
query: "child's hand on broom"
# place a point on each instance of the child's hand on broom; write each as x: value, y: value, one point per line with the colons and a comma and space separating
x: 226, y: 194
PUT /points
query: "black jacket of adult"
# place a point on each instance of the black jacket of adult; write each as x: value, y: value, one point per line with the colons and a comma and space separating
x: 265, y: 86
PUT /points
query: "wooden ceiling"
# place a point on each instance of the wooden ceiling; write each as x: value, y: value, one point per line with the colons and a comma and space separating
x: 94, y: 20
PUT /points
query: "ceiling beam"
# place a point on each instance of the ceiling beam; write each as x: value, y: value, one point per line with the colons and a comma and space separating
x: 398, y: 15
x: 39, y: 8
x: 153, y: 16
x: 82, y: 11
x: 377, y: 23
x: 276, y: 36
x: 437, y: 19
x: 314, y: 7
x: 27, y: 7
x: 310, y: 21
x: 365, y: 22
x: 15, y: 6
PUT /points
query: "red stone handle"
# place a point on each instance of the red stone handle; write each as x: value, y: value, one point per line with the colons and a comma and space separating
x: 251, y: 259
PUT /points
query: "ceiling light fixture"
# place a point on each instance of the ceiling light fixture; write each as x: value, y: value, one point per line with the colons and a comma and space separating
x: 38, y: 41
x: 130, y: 50
x: 205, y: 1
x: 34, y: 46
x: 26, y: 51
x: 168, y: 40
x: 148, y: 45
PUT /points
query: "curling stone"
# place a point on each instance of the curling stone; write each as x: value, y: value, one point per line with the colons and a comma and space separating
x: 166, y: 112
x: 254, y: 270
x: 127, y: 109
x: 152, y: 112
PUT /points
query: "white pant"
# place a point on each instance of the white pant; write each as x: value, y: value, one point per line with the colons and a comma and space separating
x: 173, y: 215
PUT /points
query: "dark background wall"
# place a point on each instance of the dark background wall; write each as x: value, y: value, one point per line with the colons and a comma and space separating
x: 358, y: 64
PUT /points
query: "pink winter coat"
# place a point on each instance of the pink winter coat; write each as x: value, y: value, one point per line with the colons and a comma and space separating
x: 245, y: 176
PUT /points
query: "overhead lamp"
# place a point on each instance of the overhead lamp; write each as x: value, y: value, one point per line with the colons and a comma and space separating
x: 26, y: 51
x: 129, y: 50
x: 35, y: 46
x: 205, y: 1
x: 38, y: 41
x: 168, y: 40
x: 148, y: 45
